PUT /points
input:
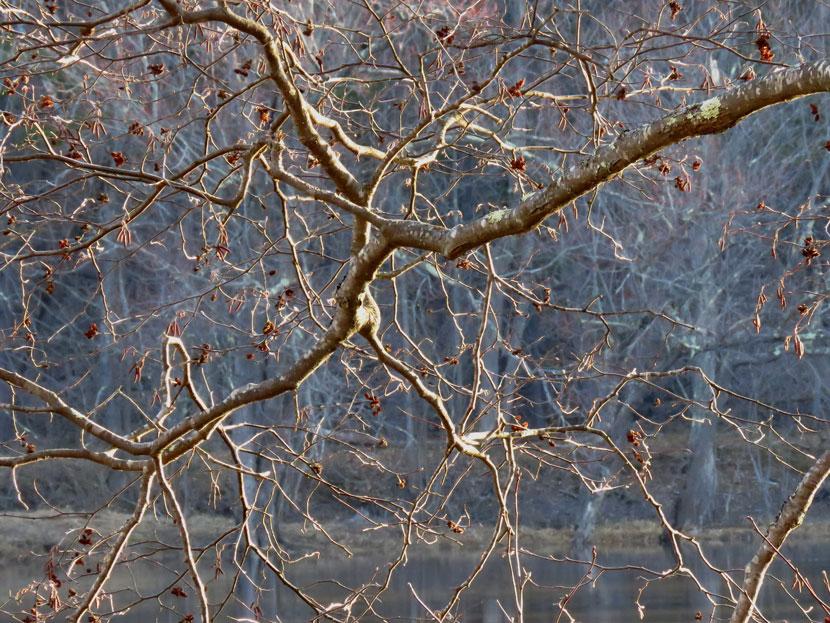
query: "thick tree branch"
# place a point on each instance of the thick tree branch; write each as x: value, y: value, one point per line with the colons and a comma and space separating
x: 355, y: 309
x: 708, y: 117
x: 791, y: 516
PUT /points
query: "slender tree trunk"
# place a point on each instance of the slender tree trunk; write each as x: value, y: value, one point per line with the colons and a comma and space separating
x: 513, y: 11
x: 591, y: 502
x: 696, y: 502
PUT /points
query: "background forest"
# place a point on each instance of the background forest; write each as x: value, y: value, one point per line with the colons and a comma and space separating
x: 161, y: 200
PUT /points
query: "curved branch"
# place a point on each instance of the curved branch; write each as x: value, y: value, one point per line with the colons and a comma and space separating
x: 711, y: 116
x: 791, y: 517
x: 352, y: 314
x: 300, y: 111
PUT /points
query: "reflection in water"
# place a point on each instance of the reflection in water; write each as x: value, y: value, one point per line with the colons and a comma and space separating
x: 606, y: 596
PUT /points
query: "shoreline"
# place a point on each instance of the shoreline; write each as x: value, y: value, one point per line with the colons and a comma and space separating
x: 34, y: 534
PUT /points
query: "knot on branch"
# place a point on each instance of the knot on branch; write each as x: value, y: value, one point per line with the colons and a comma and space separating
x: 367, y: 318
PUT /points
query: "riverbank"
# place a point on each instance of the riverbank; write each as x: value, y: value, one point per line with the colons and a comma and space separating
x: 34, y: 534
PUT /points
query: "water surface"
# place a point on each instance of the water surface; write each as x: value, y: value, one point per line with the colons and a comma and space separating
x: 433, y: 573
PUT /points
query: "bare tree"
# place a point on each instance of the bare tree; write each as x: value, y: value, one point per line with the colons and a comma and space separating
x: 252, y: 248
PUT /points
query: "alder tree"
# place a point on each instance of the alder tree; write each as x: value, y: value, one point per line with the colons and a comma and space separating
x: 284, y: 284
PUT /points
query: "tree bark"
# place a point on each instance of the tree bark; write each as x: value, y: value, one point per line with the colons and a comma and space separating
x: 791, y: 516
x: 711, y: 116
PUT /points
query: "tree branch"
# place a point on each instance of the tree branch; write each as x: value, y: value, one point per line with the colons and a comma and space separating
x: 791, y: 517
x: 711, y: 116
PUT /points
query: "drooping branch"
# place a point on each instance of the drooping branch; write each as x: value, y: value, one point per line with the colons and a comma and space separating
x: 791, y: 516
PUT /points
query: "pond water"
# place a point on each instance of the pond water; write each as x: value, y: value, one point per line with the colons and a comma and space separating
x: 433, y: 576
